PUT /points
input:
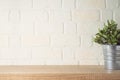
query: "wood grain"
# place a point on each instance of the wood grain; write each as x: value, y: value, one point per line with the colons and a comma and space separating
x: 57, y: 73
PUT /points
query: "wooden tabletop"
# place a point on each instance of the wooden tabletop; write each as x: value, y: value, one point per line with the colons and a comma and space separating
x: 55, y: 69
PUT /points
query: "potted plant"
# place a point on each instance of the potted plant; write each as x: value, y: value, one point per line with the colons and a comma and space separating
x: 109, y: 38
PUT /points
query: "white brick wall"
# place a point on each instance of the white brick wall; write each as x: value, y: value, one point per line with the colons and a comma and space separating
x: 107, y: 14
x: 32, y: 41
x: 15, y: 4
x: 65, y: 40
x: 15, y: 53
x: 85, y: 15
x: 60, y: 15
x: 117, y: 16
x: 49, y: 28
x: 14, y: 41
x: 91, y: 4
x: 70, y: 28
x: 3, y: 41
x: 112, y: 4
x: 14, y: 16
x: 46, y: 4
x: 53, y: 32
x: 71, y: 4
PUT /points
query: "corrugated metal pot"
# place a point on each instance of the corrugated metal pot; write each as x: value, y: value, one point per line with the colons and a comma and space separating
x: 110, y: 57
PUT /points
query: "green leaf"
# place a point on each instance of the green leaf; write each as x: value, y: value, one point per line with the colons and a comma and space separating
x: 109, y: 34
x: 118, y: 36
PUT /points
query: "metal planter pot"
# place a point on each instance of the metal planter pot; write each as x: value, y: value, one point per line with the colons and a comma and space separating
x: 110, y: 57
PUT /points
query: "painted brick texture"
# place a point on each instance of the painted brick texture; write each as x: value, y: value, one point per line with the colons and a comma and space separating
x: 53, y: 32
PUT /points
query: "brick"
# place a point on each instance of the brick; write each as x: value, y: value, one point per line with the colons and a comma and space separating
x: 101, y: 60
x: 33, y: 15
x: 68, y: 4
x: 6, y: 62
x: 86, y: 54
x: 14, y: 16
x: 69, y: 62
x: 55, y: 54
x: 39, y: 3
x: 37, y: 61
x: 40, y: 53
x: 88, y: 62
x: 32, y: 41
x: 4, y: 15
x: 107, y: 15
x: 57, y: 40
x: 112, y: 4
x: 65, y: 40
x: 15, y: 53
x: 68, y: 53
x: 59, y: 15
x: 91, y: 28
x: 46, y: 53
x: 53, y: 62
x: 90, y: 4
x: 21, y: 62
x: 71, y: 40
x: 48, y: 4
x: 16, y: 4
x: 119, y: 3
x: 85, y: 15
x: 25, y: 28
x: 98, y: 48
x: 8, y: 28
x: 14, y: 41
x: 86, y: 41
x: 117, y: 16
x: 48, y: 28
x: 3, y: 41
x: 69, y: 28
